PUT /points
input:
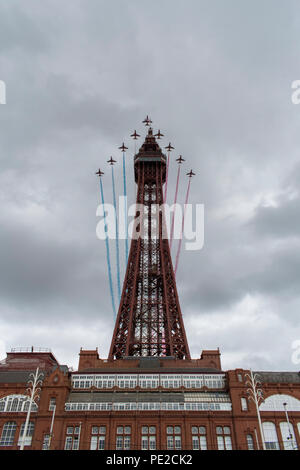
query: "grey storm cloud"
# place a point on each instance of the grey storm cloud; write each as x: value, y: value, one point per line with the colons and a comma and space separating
x: 215, y: 77
x: 280, y: 219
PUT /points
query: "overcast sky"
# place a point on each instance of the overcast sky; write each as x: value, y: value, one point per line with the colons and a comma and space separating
x: 215, y: 76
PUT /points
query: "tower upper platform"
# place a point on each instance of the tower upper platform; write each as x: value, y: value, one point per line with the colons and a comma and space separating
x: 150, y: 152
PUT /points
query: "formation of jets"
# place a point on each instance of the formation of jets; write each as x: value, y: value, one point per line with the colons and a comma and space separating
x: 147, y: 121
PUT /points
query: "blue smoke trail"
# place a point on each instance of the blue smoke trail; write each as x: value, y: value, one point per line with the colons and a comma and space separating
x: 117, y: 232
x: 107, y: 253
x: 126, y: 220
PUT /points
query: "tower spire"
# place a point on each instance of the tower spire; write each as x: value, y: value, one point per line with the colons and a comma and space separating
x: 149, y: 320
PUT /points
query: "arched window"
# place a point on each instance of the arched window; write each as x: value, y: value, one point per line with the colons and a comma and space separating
x: 288, y: 436
x: 8, y: 433
x: 250, y: 443
x: 46, y: 442
x: 29, y: 434
x: 270, y: 435
x: 244, y: 404
x: 275, y: 403
x: 16, y: 403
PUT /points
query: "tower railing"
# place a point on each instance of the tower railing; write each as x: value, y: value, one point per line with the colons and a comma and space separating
x: 30, y: 349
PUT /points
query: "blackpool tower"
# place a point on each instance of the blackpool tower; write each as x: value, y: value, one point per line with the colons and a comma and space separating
x: 149, y: 320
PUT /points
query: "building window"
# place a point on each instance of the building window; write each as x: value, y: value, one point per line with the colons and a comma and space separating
x: 52, y: 404
x: 199, y: 438
x: 275, y: 403
x: 244, y: 404
x: 148, y: 438
x: 224, y: 438
x: 29, y: 434
x: 16, y: 403
x: 46, y: 442
x: 250, y: 442
x: 174, y: 437
x: 149, y: 381
x: 169, y: 381
x: 288, y: 436
x: 98, y: 438
x: 72, y: 438
x: 8, y: 433
x: 270, y: 434
x: 126, y: 381
x: 240, y: 377
x: 123, y: 438
x: 82, y: 381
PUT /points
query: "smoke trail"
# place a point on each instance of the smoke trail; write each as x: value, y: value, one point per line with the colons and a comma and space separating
x: 182, y: 227
x: 117, y: 232
x: 108, y: 254
x: 175, y: 200
x: 167, y: 173
x: 126, y: 219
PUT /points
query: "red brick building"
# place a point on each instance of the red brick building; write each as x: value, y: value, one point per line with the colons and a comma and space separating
x: 145, y: 403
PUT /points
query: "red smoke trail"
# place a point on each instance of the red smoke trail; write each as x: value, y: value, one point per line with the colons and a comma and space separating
x: 182, y: 227
x: 175, y: 200
x: 167, y: 172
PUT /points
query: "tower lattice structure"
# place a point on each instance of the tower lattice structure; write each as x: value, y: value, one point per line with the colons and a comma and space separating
x: 149, y: 320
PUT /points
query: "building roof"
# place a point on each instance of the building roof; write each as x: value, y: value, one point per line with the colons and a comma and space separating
x: 152, y: 370
x: 15, y: 376
x: 28, y: 359
x: 22, y: 376
x: 279, y: 377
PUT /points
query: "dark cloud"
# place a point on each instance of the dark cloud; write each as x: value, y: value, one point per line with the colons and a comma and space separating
x: 279, y: 222
x: 216, y: 78
x: 20, y: 31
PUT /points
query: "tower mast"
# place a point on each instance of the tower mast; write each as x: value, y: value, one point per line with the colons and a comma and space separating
x: 149, y: 320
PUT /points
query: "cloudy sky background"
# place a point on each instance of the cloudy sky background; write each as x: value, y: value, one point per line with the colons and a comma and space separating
x: 215, y: 77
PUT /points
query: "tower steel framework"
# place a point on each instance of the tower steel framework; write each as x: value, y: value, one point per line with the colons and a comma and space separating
x: 149, y: 320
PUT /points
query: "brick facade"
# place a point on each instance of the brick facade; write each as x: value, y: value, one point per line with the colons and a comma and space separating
x: 184, y: 426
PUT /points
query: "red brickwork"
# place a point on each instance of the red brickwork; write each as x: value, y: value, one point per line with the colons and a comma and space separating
x: 57, y: 384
